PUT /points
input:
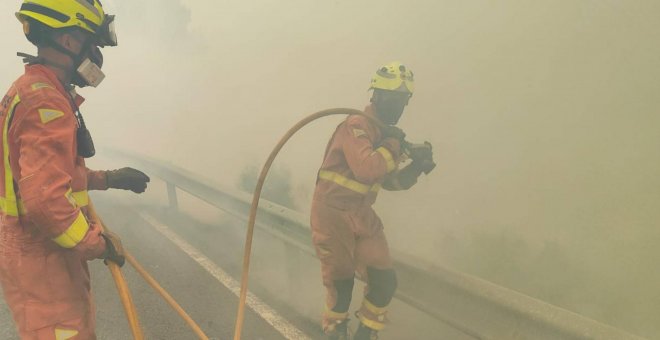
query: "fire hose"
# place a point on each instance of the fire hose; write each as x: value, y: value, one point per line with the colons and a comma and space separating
x: 125, y: 295
x: 257, y: 193
x: 120, y: 281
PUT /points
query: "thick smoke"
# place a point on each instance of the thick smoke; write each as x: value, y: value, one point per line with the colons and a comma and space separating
x: 543, y: 116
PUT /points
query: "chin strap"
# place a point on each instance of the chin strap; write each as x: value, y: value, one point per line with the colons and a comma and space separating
x: 30, y: 59
x: 34, y: 60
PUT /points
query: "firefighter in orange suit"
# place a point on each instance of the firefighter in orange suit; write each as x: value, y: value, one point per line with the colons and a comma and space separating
x: 362, y: 156
x: 46, y: 236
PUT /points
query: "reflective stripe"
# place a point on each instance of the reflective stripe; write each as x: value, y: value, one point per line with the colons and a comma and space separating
x: 377, y: 312
x: 69, y: 197
x: 8, y: 203
x: 65, y: 334
x: 81, y: 199
x: 372, y: 308
x: 335, y: 315
x: 347, y: 182
x: 375, y: 325
x: 37, y: 86
x: 9, y: 207
x: 49, y: 115
x: 74, y: 234
x: 388, y: 158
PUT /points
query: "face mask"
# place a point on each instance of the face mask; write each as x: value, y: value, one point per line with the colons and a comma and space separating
x: 89, y: 71
x: 389, y: 114
x: 389, y: 106
x: 89, y: 74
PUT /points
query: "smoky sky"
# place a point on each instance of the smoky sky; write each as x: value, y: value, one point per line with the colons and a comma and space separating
x: 543, y: 114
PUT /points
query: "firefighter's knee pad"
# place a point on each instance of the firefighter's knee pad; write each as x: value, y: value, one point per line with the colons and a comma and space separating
x: 382, y: 285
x: 344, y: 294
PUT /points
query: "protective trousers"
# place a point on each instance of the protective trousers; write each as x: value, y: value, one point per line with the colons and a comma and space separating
x: 349, y: 241
x: 49, y: 294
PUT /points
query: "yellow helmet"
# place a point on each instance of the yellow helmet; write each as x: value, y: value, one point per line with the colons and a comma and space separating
x: 85, y: 14
x: 393, y: 77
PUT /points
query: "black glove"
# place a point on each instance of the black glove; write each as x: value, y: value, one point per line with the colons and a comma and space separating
x: 419, y: 152
x: 390, y: 131
x: 425, y: 166
x: 421, y: 155
x: 127, y: 179
x: 114, y: 250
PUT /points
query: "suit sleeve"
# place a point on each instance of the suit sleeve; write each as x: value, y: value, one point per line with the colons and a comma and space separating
x: 45, y: 132
x: 369, y: 164
x: 96, y: 180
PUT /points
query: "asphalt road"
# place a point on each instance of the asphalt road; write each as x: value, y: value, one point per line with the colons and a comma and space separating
x: 291, y: 299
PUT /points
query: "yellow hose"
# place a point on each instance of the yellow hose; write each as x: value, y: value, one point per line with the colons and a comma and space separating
x: 124, y: 293
x: 166, y: 296
x: 255, y: 203
x: 122, y: 287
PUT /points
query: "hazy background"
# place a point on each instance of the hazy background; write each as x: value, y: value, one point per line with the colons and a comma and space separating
x: 544, y: 116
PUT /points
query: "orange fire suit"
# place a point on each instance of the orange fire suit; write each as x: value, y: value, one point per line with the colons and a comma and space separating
x: 46, y: 238
x: 346, y: 232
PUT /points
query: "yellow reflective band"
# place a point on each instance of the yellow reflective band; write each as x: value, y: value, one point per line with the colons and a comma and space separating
x: 49, y: 115
x: 372, y: 308
x: 74, y: 234
x: 375, y: 325
x: 347, y: 182
x: 81, y: 198
x: 8, y: 204
x: 391, y: 166
x: 9, y: 207
x: 65, y: 334
x: 378, y: 315
x: 69, y: 197
x: 334, y: 315
x: 37, y: 86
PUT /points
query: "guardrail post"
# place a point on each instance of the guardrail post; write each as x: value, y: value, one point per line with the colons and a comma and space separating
x: 171, y: 196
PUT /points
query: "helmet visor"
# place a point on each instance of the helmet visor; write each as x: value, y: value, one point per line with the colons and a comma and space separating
x: 106, y: 34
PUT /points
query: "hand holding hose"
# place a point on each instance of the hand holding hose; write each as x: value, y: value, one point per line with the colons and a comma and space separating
x: 114, y: 250
x: 421, y: 155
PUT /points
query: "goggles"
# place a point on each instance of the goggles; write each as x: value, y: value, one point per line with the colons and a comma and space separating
x: 106, y: 33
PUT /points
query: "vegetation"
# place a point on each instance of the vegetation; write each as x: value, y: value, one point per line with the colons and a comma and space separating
x: 277, y: 187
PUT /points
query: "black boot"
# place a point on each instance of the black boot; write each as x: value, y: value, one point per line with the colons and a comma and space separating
x: 365, y: 333
x: 340, y: 332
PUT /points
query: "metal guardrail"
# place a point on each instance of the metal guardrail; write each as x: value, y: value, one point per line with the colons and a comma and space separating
x: 476, y: 307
